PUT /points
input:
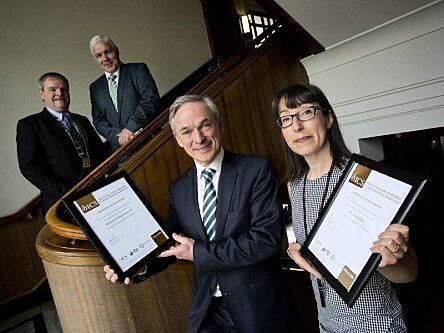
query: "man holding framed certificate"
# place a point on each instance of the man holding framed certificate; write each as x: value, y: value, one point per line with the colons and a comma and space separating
x: 316, y: 160
x: 227, y: 209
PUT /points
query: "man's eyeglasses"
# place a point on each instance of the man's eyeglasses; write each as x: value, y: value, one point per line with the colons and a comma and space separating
x: 303, y: 115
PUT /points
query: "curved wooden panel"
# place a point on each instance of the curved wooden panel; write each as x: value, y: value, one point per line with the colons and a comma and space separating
x: 86, y: 302
x: 21, y: 269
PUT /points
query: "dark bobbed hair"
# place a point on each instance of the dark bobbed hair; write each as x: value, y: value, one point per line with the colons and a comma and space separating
x: 294, y: 96
x: 52, y: 75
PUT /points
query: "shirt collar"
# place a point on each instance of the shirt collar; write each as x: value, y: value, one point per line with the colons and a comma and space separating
x: 116, y: 73
x: 216, y: 164
x: 57, y: 115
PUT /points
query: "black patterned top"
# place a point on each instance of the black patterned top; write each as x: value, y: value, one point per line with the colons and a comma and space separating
x: 377, y: 309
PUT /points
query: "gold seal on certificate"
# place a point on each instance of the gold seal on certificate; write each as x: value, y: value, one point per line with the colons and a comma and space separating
x: 119, y: 222
x: 367, y: 199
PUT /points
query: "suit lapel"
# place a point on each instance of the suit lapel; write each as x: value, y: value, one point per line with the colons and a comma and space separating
x: 55, y: 127
x: 103, y: 89
x: 122, y: 76
x: 226, y: 184
x: 191, y: 192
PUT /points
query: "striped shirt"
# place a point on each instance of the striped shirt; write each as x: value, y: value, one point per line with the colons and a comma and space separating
x: 377, y: 309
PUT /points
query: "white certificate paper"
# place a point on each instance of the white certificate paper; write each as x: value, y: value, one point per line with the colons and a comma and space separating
x: 362, y: 209
x: 122, y: 222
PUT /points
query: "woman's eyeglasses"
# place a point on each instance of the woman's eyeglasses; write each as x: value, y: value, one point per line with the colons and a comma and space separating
x: 303, y: 115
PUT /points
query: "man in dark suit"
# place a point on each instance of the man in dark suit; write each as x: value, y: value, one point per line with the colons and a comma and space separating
x: 125, y: 98
x: 56, y: 148
x: 229, y: 224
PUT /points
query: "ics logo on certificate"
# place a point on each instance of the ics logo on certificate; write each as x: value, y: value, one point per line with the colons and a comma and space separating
x: 360, y: 175
x: 87, y: 203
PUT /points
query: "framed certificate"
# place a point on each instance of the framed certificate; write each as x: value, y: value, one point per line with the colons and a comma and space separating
x: 367, y: 199
x: 120, y: 223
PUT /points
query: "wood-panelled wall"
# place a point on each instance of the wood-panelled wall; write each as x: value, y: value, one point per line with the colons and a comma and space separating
x: 244, y: 98
x: 21, y: 269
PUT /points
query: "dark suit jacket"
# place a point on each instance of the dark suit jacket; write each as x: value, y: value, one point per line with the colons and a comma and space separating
x: 47, y: 156
x: 241, y: 259
x: 137, y: 101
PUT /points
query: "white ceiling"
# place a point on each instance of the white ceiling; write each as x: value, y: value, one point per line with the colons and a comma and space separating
x: 331, y: 22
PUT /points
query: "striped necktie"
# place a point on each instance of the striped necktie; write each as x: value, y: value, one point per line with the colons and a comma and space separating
x: 113, y: 89
x: 209, y: 204
x: 67, y: 123
x: 73, y: 131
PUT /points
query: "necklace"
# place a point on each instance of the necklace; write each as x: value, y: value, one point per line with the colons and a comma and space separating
x: 324, y: 196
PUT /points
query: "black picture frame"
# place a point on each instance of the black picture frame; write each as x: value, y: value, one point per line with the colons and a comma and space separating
x: 350, y: 296
x: 102, y: 249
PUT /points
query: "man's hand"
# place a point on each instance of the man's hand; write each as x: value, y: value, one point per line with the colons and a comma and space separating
x: 125, y: 136
x: 182, y: 250
x: 110, y: 275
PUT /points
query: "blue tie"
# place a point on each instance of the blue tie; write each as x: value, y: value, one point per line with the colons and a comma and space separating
x: 209, y: 204
x: 66, y: 122
x: 72, y: 130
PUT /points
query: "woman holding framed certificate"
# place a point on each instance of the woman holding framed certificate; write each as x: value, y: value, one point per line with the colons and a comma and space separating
x: 316, y: 158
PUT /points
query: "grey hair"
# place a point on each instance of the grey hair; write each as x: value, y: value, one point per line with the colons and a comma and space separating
x: 101, y: 39
x: 185, y: 99
x: 44, y: 77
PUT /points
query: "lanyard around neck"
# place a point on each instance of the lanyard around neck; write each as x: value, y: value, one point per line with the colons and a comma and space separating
x: 324, y: 196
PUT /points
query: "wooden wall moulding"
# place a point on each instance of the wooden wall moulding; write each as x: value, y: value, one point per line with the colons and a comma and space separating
x: 28, y: 212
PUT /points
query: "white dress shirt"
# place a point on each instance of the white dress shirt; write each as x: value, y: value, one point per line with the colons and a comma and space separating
x: 57, y: 115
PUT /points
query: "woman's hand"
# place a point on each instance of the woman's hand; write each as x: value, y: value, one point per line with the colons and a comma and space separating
x: 295, y: 254
x: 398, y: 263
x: 392, y: 244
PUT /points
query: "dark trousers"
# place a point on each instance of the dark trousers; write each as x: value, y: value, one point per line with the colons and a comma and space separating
x: 218, y: 319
